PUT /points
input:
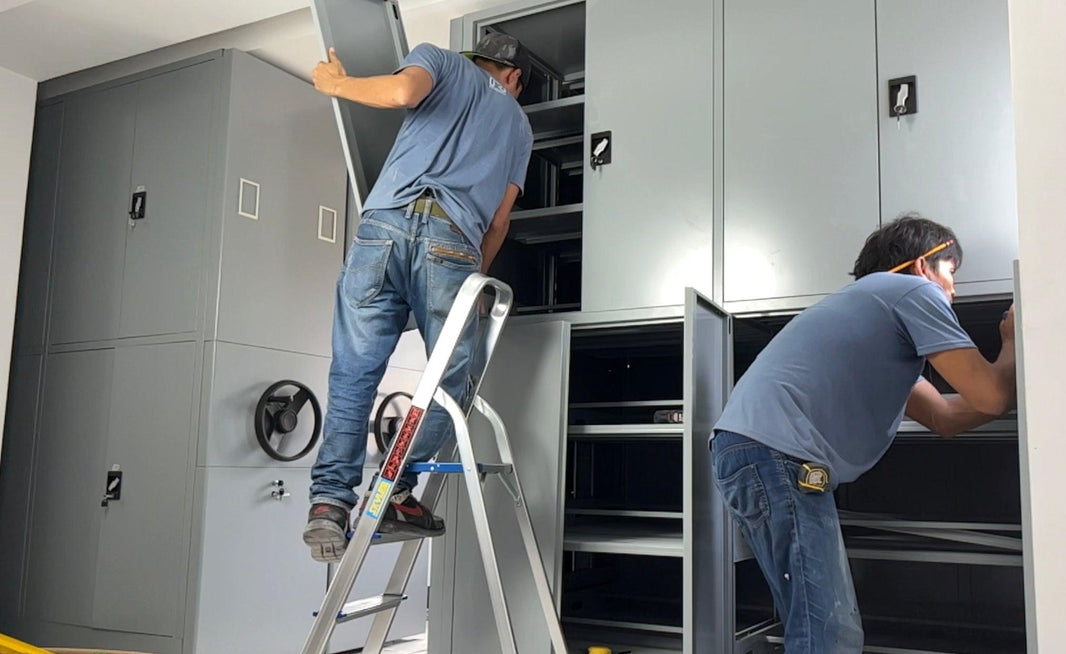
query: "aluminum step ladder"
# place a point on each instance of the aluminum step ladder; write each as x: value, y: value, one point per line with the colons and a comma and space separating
x: 334, y: 609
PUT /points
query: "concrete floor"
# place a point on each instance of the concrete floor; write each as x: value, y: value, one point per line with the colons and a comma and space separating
x: 412, y: 645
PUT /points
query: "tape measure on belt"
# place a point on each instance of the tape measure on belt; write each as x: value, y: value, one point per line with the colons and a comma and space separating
x: 813, y: 478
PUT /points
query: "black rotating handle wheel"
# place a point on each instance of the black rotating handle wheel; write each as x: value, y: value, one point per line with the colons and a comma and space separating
x: 385, y: 429
x: 277, y: 416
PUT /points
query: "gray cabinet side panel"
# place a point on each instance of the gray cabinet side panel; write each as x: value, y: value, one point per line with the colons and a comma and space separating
x: 16, y: 479
x: 800, y: 152
x: 240, y: 375
x: 175, y: 133
x: 954, y: 159
x: 278, y: 273
x: 69, y: 483
x: 38, y: 231
x: 140, y: 572
x: 534, y: 411
x: 648, y: 215
x: 91, y: 216
x: 709, y: 617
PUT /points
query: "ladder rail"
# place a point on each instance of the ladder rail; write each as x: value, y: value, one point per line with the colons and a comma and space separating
x: 525, y: 526
x: 472, y: 479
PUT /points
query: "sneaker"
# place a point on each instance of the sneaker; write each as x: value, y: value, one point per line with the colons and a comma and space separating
x: 326, y: 532
x: 407, y: 515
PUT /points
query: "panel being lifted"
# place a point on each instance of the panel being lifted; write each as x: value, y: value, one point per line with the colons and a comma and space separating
x: 369, y: 39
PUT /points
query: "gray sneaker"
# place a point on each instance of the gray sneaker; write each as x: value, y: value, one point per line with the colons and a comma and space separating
x: 326, y: 532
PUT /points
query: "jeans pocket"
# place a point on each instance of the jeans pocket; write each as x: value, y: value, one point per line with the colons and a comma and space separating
x: 364, y: 275
x: 455, y: 255
x: 745, y: 495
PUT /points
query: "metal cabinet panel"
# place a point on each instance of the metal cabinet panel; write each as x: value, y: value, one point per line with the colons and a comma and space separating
x: 69, y: 484
x: 534, y: 411
x: 39, y: 228
x: 16, y: 478
x: 93, y: 201
x: 708, y: 563
x: 279, y: 271
x: 239, y: 375
x: 258, y: 584
x: 800, y: 152
x: 175, y: 133
x: 953, y: 160
x: 369, y: 39
x: 140, y: 570
x: 648, y: 214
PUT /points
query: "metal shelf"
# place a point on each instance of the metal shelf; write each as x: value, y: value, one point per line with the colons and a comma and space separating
x: 623, y: 513
x: 903, y: 638
x: 935, y: 556
x: 620, y: 624
x: 545, y: 225
x: 625, y: 405
x: 627, y: 431
x: 556, y: 117
x: 639, y: 539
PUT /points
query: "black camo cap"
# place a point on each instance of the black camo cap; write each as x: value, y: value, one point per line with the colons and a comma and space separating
x: 504, y: 49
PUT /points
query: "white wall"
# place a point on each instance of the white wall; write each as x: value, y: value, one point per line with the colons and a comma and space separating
x: 17, y: 97
x: 1038, y: 52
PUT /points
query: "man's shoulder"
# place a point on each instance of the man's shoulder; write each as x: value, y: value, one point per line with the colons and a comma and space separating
x: 890, y: 285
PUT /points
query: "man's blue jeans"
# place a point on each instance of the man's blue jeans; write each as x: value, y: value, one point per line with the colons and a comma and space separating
x: 400, y: 261
x: 797, y: 541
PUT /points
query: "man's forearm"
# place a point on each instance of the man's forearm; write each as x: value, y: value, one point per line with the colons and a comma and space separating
x: 1007, y: 371
x: 958, y: 417
x: 491, y: 243
x: 381, y: 91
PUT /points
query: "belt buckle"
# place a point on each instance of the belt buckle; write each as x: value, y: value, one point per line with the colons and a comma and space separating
x: 813, y: 478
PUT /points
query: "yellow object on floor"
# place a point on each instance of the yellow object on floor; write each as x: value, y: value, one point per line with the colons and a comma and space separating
x: 9, y: 645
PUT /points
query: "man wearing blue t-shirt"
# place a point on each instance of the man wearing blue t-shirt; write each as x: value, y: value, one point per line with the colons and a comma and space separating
x: 821, y: 405
x: 438, y: 212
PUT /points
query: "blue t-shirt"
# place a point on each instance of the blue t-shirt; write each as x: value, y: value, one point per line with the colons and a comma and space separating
x: 831, y: 387
x: 466, y: 141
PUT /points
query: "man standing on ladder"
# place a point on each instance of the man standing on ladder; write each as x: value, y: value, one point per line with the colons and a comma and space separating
x: 439, y: 211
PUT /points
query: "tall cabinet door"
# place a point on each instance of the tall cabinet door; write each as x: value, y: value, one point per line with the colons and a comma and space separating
x: 648, y: 214
x: 90, y: 226
x: 953, y: 160
x: 533, y: 407
x: 708, y: 361
x: 800, y: 152
x: 174, y: 140
x: 140, y: 570
x: 369, y: 38
x: 69, y: 484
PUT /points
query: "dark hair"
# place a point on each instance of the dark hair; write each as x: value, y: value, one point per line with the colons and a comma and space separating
x: 492, y: 62
x: 905, y: 238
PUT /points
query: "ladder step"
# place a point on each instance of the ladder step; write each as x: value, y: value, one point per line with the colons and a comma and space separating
x: 457, y: 468
x: 369, y: 606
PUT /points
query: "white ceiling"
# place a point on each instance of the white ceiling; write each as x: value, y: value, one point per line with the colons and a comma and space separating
x: 43, y: 39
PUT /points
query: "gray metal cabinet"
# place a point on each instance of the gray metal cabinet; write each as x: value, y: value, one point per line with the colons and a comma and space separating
x: 140, y: 569
x: 131, y: 321
x: 271, y: 292
x: 647, y: 230
x: 39, y: 228
x: 251, y: 545
x: 236, y: 377
x: 953, y: 160
x: 800, y: 155
x: 15, y: 476
x: 174, y: 139
x: 90, y: 225
x: 535, y: 415
x: 69, y: 483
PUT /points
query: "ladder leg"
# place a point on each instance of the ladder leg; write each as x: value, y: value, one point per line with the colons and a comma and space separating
x: 401, y: 573
x: 481, y: 523
x: 525, y: 525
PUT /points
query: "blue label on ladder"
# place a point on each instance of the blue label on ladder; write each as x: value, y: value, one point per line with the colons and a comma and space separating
x: 379, y: 498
